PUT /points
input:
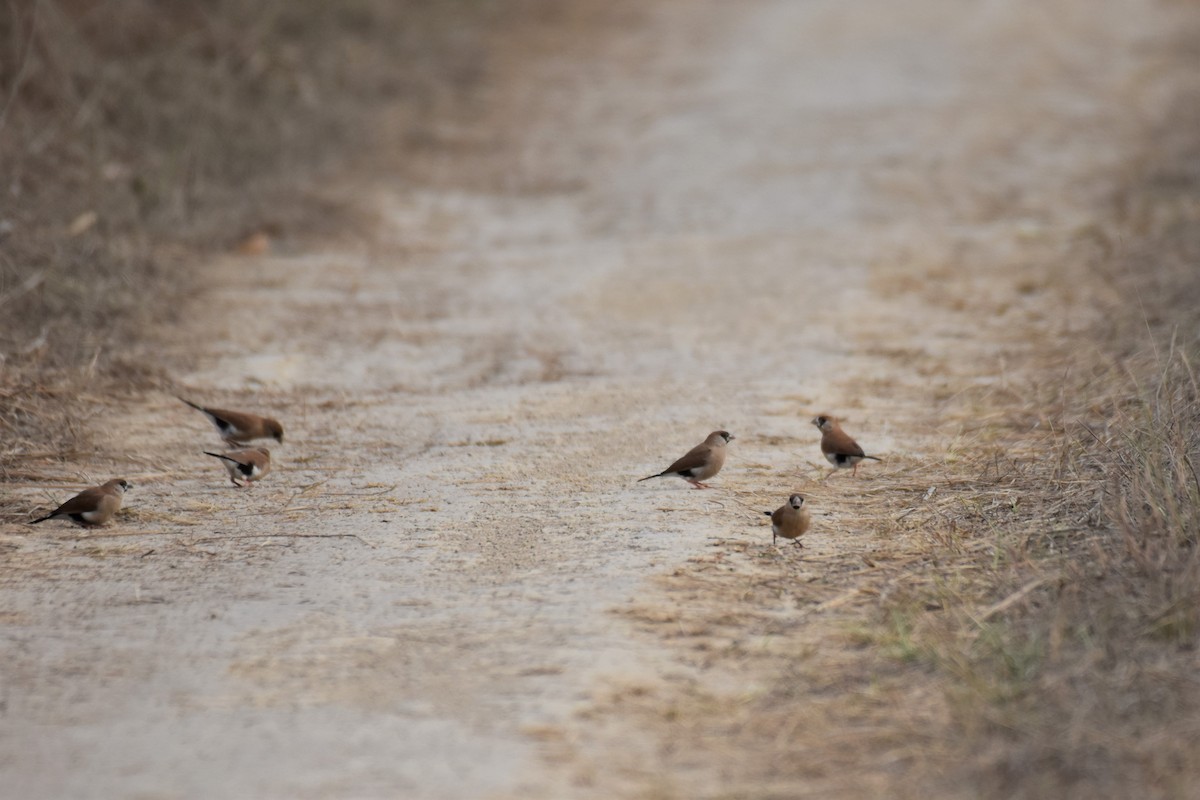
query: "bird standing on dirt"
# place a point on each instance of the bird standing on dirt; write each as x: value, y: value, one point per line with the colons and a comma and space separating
x: 238, y: 427
x: 94, y: 506
x: 839, y: 449
x: 790, y: 520
x: 250, y: 464
x: 701, y: 462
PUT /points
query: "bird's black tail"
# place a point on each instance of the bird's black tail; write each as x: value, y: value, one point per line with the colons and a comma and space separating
x: 873, y: 458
x: 190, y: 403
x: 768, y: 513
x: 648, y: 477
x: 221, y: 456
x: 42, y: 519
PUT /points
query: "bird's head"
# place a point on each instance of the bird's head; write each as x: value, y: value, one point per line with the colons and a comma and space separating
x: 824, y: 422
x: 721, y: 437
x: 120, y: 484
x: 795, y: 501
x: 275, y: 429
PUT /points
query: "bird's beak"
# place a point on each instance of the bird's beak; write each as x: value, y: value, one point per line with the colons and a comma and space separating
x: 732, y: 437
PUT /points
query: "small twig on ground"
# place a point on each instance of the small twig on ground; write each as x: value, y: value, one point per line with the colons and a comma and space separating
x: 90, y: 536
x: 1011, y: 600
x: 284, y: 510
x: 285, y: 536
x: 382, y: 491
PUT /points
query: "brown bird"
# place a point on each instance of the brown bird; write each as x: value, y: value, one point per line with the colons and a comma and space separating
x: 790, y: 520
x: 94, y: 506
x: 839, y: 449
x: 249, y: 464
x: 238, y: 427
x: 701, y: 462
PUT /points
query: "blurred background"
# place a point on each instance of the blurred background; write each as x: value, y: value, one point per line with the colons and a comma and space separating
x: 507, y: 228
x: 136, y: 135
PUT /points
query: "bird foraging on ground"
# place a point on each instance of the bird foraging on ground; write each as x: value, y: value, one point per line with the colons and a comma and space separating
x: 94, y: 506
x: 790, y: 520
x: 239, y: 427
x: 839, y: 449
x: 701, y: 462
x: 250, y: 464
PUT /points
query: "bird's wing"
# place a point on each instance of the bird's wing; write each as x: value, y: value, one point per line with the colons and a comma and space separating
x: 840, y: 442
x: 236, y: 419
x: 693, y: 459
x: 87, y: 500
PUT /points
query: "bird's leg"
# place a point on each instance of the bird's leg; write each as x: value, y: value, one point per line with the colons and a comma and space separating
x: 854, y: 473
x: 697, y: 484
x: 798, y: 544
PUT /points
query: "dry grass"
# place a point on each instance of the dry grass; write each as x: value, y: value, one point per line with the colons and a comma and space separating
x: 136, y: 141
x: 1018, y: 620
x: 1013, y: 610
x: 1087, y: 687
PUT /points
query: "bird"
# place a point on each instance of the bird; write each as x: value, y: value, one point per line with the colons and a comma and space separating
x: 701, y: 462
x: 94, y: 506
x: 839, y: 449
x: 790, y: 520
x: 250, y: 464
x: 239, y: 427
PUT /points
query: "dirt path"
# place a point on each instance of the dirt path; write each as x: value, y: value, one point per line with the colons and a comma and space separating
x: 727, y: 218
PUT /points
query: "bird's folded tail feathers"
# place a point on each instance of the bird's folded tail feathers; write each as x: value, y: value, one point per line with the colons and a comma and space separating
x: 41, y: 519
x: 190, y: 403
x: 874, y: 458
x: 768, y: 513
x: 648, y: 477
x: 222, y: 455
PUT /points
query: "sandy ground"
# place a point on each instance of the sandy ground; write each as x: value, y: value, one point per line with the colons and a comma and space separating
x: 723, y: 216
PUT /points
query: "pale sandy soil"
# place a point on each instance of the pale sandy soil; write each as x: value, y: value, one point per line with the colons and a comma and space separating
x: 718, y: 216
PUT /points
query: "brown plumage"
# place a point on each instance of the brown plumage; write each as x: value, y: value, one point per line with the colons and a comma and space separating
x: 839, y: 449
x: 701, y: 462
x: 239, y: 427
x: 94, y: 506
x: 790, y: 520
x: 250, y: 464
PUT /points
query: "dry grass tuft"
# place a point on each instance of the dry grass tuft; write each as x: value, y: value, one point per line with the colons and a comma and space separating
x: 1011, y: 609
x: 1068, y: 657
x: 136, y: 141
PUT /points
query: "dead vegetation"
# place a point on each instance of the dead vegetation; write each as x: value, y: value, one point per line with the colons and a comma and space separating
x: 1018, y: 617
x: 1014, y: 610
x: 135, y: 141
